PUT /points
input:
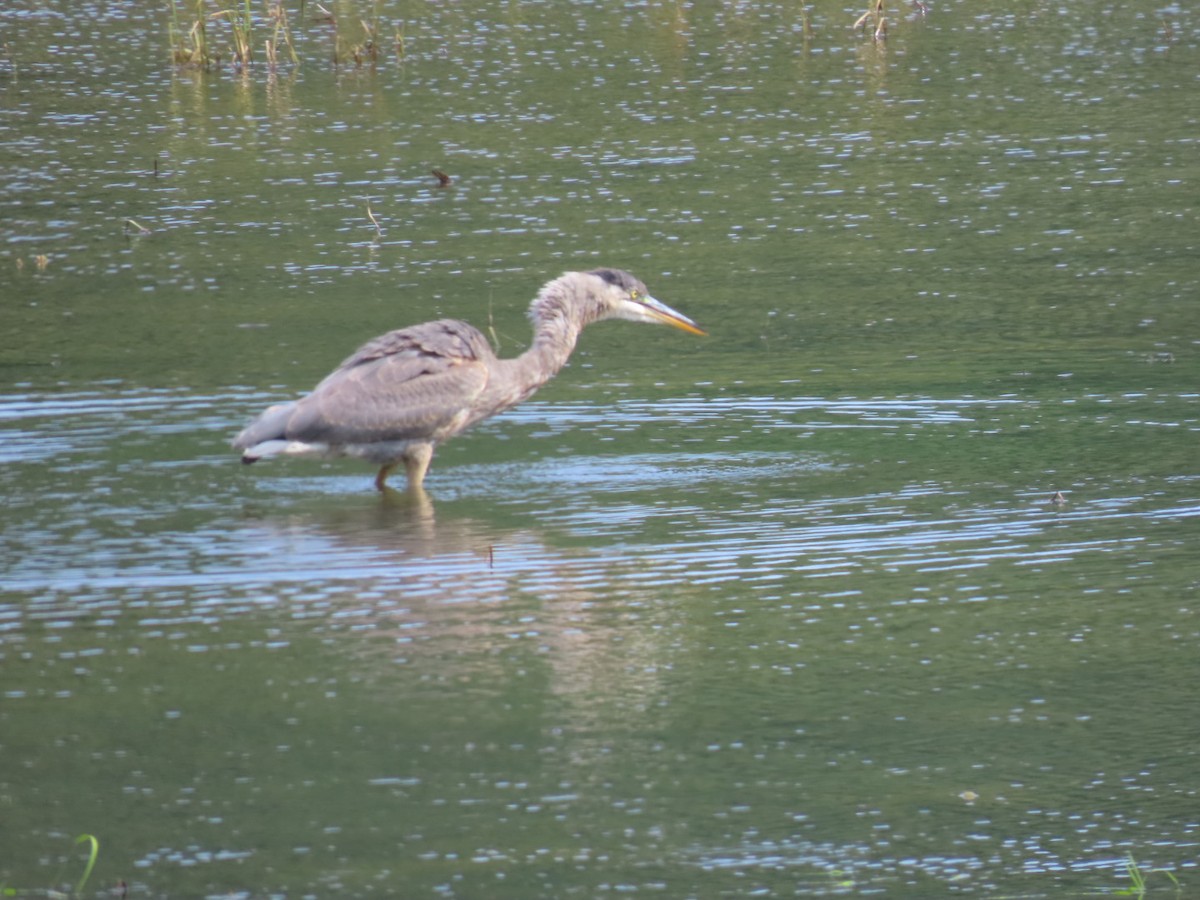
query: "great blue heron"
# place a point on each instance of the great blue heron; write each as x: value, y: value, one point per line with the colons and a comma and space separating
x: 403, y: 393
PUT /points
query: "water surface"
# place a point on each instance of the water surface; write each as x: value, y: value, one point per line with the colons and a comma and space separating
x: 788, y: 611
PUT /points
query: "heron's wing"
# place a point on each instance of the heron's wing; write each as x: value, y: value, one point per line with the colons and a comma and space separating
x: 418, y: 383
x: 446, y: 338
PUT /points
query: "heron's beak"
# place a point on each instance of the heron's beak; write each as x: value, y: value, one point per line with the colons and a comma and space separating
x: 660, y: 312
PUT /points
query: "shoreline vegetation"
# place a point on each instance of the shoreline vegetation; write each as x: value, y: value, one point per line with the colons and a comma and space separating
x: 245, y: 34
x: 212, y: 34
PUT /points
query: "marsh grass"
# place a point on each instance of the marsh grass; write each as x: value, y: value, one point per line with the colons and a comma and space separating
x: 368, y: 48
x: 1137, y: 877
x: 362, y: 48
x: 281, y: 35
x: 806, y: 26
x: 374, y: 221
x: 206, y: 33
x: 875, y: 20
x: 241, y: 25
x: 93, y: 854
x: 189, y: 42
x: 397, y: 41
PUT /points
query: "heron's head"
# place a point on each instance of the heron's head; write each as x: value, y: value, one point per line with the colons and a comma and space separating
x: 625, y: 297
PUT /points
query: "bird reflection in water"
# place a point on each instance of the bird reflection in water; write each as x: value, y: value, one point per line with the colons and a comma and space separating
x: 399, y: 396
x: 404, y: 600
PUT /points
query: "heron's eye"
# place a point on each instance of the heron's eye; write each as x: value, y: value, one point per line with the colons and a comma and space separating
x: 635, y: 294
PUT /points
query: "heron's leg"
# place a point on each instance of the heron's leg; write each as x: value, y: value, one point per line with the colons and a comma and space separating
x: 381, y: 478
x: 416, y: 464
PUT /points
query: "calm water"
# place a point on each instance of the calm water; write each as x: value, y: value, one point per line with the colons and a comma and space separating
x: 786, y: 611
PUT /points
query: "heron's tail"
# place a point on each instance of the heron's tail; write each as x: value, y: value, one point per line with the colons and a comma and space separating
x: 255, y: 452
x: 265, y: 436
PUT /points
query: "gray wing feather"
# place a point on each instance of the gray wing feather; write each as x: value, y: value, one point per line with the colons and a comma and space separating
x: 445, y: 338
x: 417, y: 383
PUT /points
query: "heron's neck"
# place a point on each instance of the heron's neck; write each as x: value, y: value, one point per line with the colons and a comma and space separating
x: 559, y: 313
